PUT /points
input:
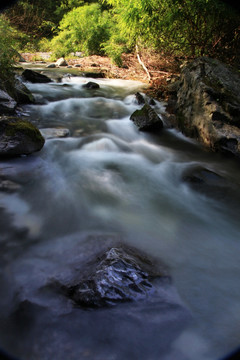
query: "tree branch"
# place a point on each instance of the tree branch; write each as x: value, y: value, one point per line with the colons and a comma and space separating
x: 142, y: 63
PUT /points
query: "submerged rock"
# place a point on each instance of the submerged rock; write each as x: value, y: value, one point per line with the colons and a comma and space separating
x: 50, y: 133
x: 35, y: 77
x: 146, y: 119
x: 209, y: 183
x: 51, y: 66
x: 94, y: 75
x: 9, y: 186
x: 208, y: 104
x: 18, y: 137
x: 120, y: 275
x: 91, y: 85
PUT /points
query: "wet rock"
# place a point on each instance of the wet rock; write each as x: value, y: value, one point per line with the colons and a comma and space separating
x: 7, y: 103
x: 208, y: 104
x: 35, y: 77
x: 50, y: 133
x: 18, y: 137
x: 61, y: 62
x: 208, y: 182
x: 120, y: 275
x: 12, y: 93
x: 91, y: 85
x: 9, y: 186
x: 146, y: 119
x: 51, y: 66
x: 94, y: 75
x: 21, y: 93
x: 140, y: 99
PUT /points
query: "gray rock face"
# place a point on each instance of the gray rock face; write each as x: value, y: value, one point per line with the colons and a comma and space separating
x: 35, y: 77
x: 146, y: 119
x: 18, y: 137
x: 91, y: 85
x: 7, y: 103
x: 12, y: 93
x: 208, y: 104
x: 21, y: 93
x: 119, y: 276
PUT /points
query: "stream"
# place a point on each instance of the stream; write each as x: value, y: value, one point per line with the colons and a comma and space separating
x: 103, y: 184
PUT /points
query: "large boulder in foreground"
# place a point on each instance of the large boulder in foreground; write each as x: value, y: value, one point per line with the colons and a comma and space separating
x: 18, y: 137
x: 146, y: 119
x: 120, y: 275
x: 35, y: 77
x: 208, y: 104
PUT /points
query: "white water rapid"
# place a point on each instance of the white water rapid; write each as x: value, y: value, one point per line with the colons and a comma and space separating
x: 106, y: 183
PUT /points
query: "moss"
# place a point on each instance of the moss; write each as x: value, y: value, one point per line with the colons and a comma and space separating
x: 13, y: 127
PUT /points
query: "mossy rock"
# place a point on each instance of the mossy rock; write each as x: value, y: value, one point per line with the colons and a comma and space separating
x: 146, y: 119
x: 18, y: 137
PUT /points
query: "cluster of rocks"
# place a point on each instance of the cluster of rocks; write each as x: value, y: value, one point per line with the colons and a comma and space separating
x: 17, y: 135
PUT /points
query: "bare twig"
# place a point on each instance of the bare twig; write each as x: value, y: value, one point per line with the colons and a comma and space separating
x: 142, y: 63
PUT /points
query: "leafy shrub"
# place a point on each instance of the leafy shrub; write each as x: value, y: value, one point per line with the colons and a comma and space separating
x: 115, y: 47
x: 183, y: 27
x: 84, y: 29
x: 7, y: 52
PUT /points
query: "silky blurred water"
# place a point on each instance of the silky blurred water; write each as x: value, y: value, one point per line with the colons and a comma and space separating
x: 108, y: 183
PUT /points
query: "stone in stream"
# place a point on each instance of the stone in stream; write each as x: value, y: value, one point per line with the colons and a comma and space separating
x: 51, y: 66
x: 7, y: 103
x: 18, y: 137
x: 146, y: 119
x: 13, y: 93
x: 211, y: 184
x: 94, y: 75
x: 9, y: 186
x: 35, y: 77
x: 140, y: 99
x: 50, y: 133
x: 119, y: 275
x: 21, y: 93
x: 61, y: 62
x: 91, y: 85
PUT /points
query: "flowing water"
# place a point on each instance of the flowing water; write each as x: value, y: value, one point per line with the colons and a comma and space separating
x: 108, y: 183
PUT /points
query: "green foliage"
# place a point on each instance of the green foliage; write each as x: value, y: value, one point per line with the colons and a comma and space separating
x: 34, y: 17
x: 183, y: 27
x: 115, y: 47
x: 111, y: 27
x: 7, y: 52
x: 82, y: 29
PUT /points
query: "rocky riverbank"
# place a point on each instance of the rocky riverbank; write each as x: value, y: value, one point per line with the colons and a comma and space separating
x: 203, y: 101
x: 205, y: 104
